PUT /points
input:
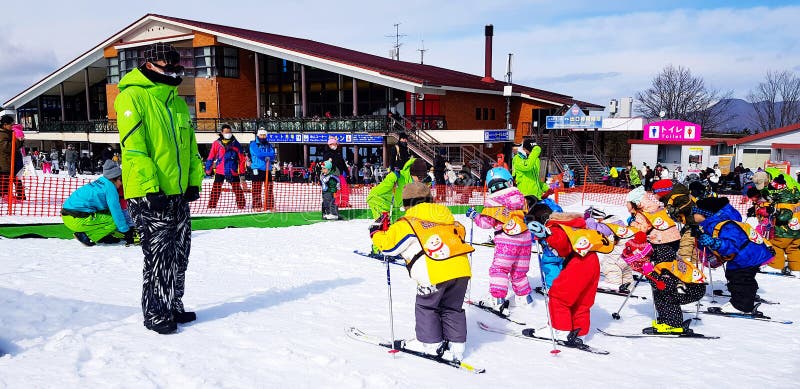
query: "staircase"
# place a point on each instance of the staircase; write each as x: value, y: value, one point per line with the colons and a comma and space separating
x: 425, y: 146
x: 566, y: 150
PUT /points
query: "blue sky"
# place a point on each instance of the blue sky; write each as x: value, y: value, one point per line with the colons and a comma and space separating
x: 593, y: 50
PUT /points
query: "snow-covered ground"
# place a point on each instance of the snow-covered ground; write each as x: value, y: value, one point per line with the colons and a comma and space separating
x: 272, y: 305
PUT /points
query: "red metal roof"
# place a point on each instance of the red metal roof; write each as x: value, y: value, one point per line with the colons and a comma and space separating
x: 766, y: 134
x: 793, y: 146
x: 409, y: 71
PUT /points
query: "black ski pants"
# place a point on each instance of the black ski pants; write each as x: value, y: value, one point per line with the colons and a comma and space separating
x: 166, y: 237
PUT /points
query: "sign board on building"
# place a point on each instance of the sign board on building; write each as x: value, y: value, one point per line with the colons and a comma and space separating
x: 344, y: 138
x: 574, y: 118
x: 496, y: 135
x: 672, y: 130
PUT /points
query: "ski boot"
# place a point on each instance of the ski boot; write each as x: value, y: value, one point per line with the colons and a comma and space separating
x: 624, y: 288
x: 498, y: 304
x: 83, y: 238
x: 454, y: 351
x: 786, y: 271
x: 664, y: 328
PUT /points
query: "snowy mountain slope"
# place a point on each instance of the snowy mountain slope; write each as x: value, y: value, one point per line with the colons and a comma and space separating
x: 272, y: 305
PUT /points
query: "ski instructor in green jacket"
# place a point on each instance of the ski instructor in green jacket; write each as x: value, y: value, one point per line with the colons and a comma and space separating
x: 161, y: 172
x: 525, y: 168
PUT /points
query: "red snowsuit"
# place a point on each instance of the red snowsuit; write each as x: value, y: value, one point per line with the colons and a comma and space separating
x: 574, y: 290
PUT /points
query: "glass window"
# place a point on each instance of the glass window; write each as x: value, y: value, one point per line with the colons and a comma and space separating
x: 491, y: 114
x: 230, y: 62
x: 204, y: 62
x: 486, y: 114
x: 112, y: 70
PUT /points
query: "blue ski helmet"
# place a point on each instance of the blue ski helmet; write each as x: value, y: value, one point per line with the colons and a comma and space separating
x: 498, y: 179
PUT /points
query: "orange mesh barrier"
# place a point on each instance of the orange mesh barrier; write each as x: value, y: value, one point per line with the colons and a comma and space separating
x: 43, y: 196
x: 590, y: 194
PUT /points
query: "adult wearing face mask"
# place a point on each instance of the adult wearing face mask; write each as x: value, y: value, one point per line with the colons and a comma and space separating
x: 333, y: 154
x: 162, y: 172
x: 263, y: 154
x: 227, y: 162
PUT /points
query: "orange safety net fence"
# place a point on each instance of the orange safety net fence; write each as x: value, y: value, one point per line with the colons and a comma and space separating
x: 43, y: 196
x: 589, y: 194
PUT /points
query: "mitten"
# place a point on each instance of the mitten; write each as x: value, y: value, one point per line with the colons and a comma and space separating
x: 647, y: 267
x: 539, y: 230
x: 192, y: 193
x: 208, y: 166
x: 708, y: 241
x: 380, y: 224
x: 472, y: 213
x: 156, y: 202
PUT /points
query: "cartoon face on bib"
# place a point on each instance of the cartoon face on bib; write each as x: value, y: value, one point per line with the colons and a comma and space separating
x: 755, y: 237
x: 512, y: 228
x: 582, y: 246
x: 435, y: 248
x: 659, y: 223
x: 794, y: 224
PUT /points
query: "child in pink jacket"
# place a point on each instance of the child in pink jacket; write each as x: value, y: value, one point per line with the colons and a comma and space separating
x: 504, y: 212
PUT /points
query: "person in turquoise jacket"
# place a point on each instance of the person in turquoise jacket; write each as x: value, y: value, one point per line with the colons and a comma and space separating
x: 93, y: 211
x: 162, y: 173
x: 526, y: 167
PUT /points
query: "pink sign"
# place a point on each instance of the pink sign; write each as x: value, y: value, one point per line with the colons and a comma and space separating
x: 672, y: 130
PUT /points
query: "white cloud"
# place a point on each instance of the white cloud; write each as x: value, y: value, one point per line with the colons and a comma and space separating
x: 593, y: 58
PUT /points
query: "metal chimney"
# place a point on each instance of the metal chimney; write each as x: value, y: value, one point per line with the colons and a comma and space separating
x: 489, y: 32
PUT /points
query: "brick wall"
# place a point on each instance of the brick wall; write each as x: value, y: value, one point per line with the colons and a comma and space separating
x: 459, y: 110
x: 111, y: 95
x: 238, y: 95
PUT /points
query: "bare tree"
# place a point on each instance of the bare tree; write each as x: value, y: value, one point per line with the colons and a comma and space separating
x: 776, y: 100
x: 683, y: 96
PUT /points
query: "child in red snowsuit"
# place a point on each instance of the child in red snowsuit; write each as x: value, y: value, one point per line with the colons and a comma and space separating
x: 573, y: 291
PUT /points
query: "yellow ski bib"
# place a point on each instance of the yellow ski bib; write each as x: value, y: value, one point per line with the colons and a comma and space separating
x: 585, y: 241
x: 794, y: 224
x: 660, y: 220
x: 622, y: 232
x: 439, y: 241
x: 513, y: 221
x: 682, y: 270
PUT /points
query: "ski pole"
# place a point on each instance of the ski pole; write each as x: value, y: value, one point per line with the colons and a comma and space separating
x: 471, y: 234
x: 616, y: 315
x: 555, y: 349
x: 702, y: 269
x: 393, y: 351
x: 711, y: 278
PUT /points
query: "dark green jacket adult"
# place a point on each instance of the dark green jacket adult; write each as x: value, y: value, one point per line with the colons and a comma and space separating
x: 159, y: 148
x: 525, y: 169
x: 787, y: 213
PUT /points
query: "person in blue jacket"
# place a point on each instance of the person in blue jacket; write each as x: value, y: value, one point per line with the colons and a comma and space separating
x: 261, y: 156
x: 549, y: 261
x: 736, y: 244
x: 93, y: 211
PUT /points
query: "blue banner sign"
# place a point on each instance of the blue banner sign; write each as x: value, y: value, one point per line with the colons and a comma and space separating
x: 495, y: 135
x: 567, y: 122
x: 345, y: 138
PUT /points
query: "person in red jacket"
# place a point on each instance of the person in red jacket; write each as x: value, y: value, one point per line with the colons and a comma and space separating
x: 227, y: 162
x: 573, y: 291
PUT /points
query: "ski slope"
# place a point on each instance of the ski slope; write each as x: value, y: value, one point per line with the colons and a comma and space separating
x: 272, y: 306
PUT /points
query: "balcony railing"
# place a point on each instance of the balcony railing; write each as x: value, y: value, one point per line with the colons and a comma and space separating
x: 370, y: 124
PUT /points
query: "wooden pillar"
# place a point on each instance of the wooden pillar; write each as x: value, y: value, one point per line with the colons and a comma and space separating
x: 413, y: 104
x: 258, y: 87
x: 355, y: 97
x: 86, y: 84
x: 385, y: 152
x: 340, y: 96
x: 305, y: 155
x: 355, y: 155
x: 303, y: 97
x: 61, y: 94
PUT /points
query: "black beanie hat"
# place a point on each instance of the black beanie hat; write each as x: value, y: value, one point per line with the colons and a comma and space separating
x: 710, y: 205
x: 752, y: 192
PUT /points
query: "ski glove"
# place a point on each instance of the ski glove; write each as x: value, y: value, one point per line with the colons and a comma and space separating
x: 380, y: 224
x: 192, y: 193
x: 157, y: 202
x: 538, y: 230
x: 472, y: 213
x: 647, y: 268
x: 708, y: 241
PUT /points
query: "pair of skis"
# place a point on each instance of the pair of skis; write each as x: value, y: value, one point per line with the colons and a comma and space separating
x: 399, y: 347
x: 613, y: 292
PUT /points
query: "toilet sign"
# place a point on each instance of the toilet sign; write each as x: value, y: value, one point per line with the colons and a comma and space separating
x: 672, y: 130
